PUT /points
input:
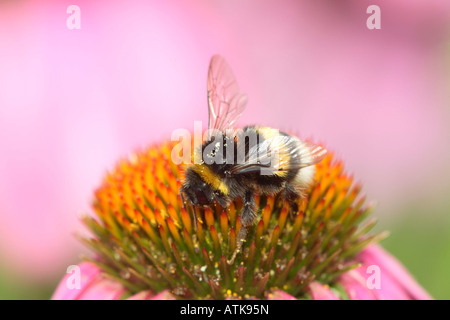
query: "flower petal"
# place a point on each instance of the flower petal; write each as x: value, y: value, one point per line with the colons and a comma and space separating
x: 88, y: 273
x: 321, y: 292
x: 280, y: 295
x: 143, y: 295
x: 93, y: 286
x: 395, y: 281
x: 103, y: 289
x: 355, y: 286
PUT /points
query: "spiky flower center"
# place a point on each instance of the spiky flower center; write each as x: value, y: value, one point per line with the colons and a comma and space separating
x: 145, y: 239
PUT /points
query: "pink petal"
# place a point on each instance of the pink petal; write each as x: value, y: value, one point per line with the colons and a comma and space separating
x: 355, y: 286
x: 93, y: 286
x: 280, y: 295
x: 88, y: 273
x: 143, y: 295
x: 321, y: 292
x: 103, y: 289
x: 394, y: 276
x: 360, y: 290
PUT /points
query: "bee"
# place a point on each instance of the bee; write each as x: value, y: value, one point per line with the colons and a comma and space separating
x: 240, y: 163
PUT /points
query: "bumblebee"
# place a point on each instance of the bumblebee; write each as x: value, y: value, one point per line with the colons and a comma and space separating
x: 240, y: 163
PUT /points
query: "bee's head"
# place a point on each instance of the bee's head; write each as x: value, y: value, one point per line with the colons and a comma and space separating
x: 198, y: 192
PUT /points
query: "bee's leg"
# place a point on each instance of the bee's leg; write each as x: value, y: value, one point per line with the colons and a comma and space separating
x: 293, y: 209
x: 248, y: 218
x: 292, y: 196
x: 194, y: 210
x: 182, y: 199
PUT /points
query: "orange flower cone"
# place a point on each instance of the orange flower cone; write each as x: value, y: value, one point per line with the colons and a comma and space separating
x: 146, y: 246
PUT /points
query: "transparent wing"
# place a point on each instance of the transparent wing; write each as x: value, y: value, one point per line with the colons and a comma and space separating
x: 280, y: 153
x: 316, y: 153
x: 225, y: 101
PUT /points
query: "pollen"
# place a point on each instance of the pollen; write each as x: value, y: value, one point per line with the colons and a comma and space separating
x: 140, y: 227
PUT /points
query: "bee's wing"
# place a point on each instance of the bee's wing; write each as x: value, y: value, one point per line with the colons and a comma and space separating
x: 316, y: 153
x: 225, y: 101
x: 280, y: 153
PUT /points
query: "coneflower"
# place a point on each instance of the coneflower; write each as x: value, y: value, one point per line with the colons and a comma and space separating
x: 145, y: 244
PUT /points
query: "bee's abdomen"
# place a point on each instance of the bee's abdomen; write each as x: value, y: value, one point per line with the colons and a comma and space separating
x: 293, y: 155
x: 286, y: 153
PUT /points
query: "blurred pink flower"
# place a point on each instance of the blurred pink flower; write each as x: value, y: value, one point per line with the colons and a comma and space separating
x: 396, y: 283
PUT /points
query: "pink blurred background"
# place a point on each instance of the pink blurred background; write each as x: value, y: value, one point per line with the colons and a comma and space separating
x: 72, y: 102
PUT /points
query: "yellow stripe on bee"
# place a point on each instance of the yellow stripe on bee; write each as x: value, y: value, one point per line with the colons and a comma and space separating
x: 281, y: 173
x: 211, y: 178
